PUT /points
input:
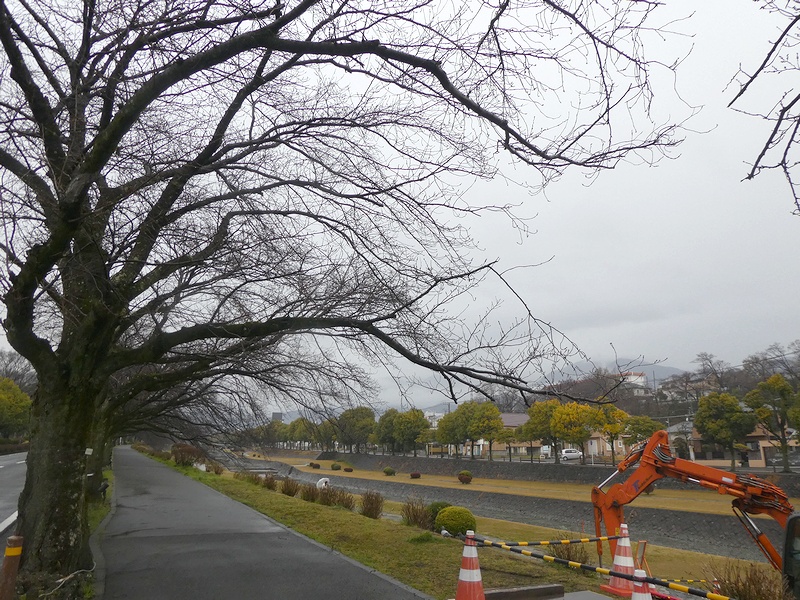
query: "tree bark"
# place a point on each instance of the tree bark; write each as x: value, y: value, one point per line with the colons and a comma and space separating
x: 52, y: 506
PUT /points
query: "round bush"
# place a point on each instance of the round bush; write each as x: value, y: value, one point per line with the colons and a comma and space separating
x: 336, y: 467
x: 415, y: 475
x: 348, y: 469
x: 455, y: 519
x: 433, y: 510
x: 388, y: 471
x: 465, y: 477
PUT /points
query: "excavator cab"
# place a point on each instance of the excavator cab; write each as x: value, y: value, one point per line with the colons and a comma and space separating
x: 791, y: 555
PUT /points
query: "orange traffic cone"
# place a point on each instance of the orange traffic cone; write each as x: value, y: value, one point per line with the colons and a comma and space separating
x: 641, y: 591
x: 623, y: 563
x: 470, y: 584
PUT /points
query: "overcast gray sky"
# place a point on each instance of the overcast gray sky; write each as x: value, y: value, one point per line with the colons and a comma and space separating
x: 668, y: 261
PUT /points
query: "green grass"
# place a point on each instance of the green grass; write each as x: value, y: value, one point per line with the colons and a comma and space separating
x: 428, y: 562
x: 98, y: 509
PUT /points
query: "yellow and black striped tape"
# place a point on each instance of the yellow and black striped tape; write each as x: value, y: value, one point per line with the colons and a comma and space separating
x: 563, y: 542
x: 576, y: 565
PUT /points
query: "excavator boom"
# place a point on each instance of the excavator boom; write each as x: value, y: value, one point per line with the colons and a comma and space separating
x: 653, y: 460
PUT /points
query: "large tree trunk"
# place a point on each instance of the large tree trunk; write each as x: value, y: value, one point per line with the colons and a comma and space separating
x: 52, y: 506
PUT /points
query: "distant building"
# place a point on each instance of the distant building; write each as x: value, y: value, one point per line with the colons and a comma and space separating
x: 433, y: 418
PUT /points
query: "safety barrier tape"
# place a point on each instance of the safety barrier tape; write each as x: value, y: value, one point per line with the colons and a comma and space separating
x: 576, y: 565
x: 564, y: 542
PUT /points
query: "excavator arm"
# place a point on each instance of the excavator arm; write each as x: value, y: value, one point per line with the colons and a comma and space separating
x: 654, y: 460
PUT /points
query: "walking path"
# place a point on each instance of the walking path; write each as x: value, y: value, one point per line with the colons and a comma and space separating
x: 171, y: 537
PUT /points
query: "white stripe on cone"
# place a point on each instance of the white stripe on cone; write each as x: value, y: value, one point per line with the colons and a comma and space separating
x: 623, y: 563
x: 470, y: 585
x: 641, y: 591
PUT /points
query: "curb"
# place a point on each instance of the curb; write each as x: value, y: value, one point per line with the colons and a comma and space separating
x: 94, y: 546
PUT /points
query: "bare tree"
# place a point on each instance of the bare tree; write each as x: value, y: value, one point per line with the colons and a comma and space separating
x: 784, y: 360
x: 186, y: 182
x: 16, y: 368
x: 770, y: 83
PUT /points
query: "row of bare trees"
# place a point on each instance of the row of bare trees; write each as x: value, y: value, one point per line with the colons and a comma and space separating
x: 204, y: 203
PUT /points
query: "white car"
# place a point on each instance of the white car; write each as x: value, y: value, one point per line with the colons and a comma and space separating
x: 568, y: 453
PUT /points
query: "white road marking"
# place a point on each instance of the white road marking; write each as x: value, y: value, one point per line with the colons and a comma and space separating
x: 8, y: 521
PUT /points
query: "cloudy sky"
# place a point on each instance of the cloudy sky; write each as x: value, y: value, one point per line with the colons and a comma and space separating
x: 664, y: 262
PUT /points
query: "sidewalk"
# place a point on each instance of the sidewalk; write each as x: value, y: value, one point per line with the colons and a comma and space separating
x: 170, y: 537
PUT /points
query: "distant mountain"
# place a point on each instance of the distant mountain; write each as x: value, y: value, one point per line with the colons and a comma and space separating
x: 441, y: 408
x: 655, y: 373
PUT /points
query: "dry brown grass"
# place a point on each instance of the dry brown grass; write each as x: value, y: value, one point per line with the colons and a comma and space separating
x: 415, y: 512
x: 689, y: 500
x: 748, y: 582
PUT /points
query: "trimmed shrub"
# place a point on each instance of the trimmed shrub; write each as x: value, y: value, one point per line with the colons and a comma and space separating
x: 465, y: 477
x: 389, y: 471
x: 371, y: 505
x: 290, y: 487
x: 309, y: 493
x: 327, y: 496
x: 415, y: 513
x: 415, y: 475
x: 214, y: 467
x: 314, y: 465
x: 270, y: 482
x: 161, y: 454
x: 455, y: 519
x: 336, y: 467
x: 433, y: 511
x: 331, y: 496
x: 248, y: 476
x: 185, y: 455
x: 344, y: 499
x: 348, y: 469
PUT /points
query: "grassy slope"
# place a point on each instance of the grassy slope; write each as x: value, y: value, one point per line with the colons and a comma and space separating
x: 430, y: 563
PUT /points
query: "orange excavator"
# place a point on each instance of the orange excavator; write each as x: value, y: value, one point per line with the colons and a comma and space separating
x: 752, y: 495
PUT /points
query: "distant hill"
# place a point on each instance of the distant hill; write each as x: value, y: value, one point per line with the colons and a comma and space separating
x: 655, y: 373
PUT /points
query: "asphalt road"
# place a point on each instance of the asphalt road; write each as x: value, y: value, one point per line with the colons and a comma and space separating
x: 169, y: 536
x: 12, y: 478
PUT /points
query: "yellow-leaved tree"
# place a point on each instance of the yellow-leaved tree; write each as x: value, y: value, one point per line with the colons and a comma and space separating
x: 574, y: 422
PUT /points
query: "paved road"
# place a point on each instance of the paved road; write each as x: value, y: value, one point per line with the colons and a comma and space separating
x: 171, y: 537
x: 12, y: 478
